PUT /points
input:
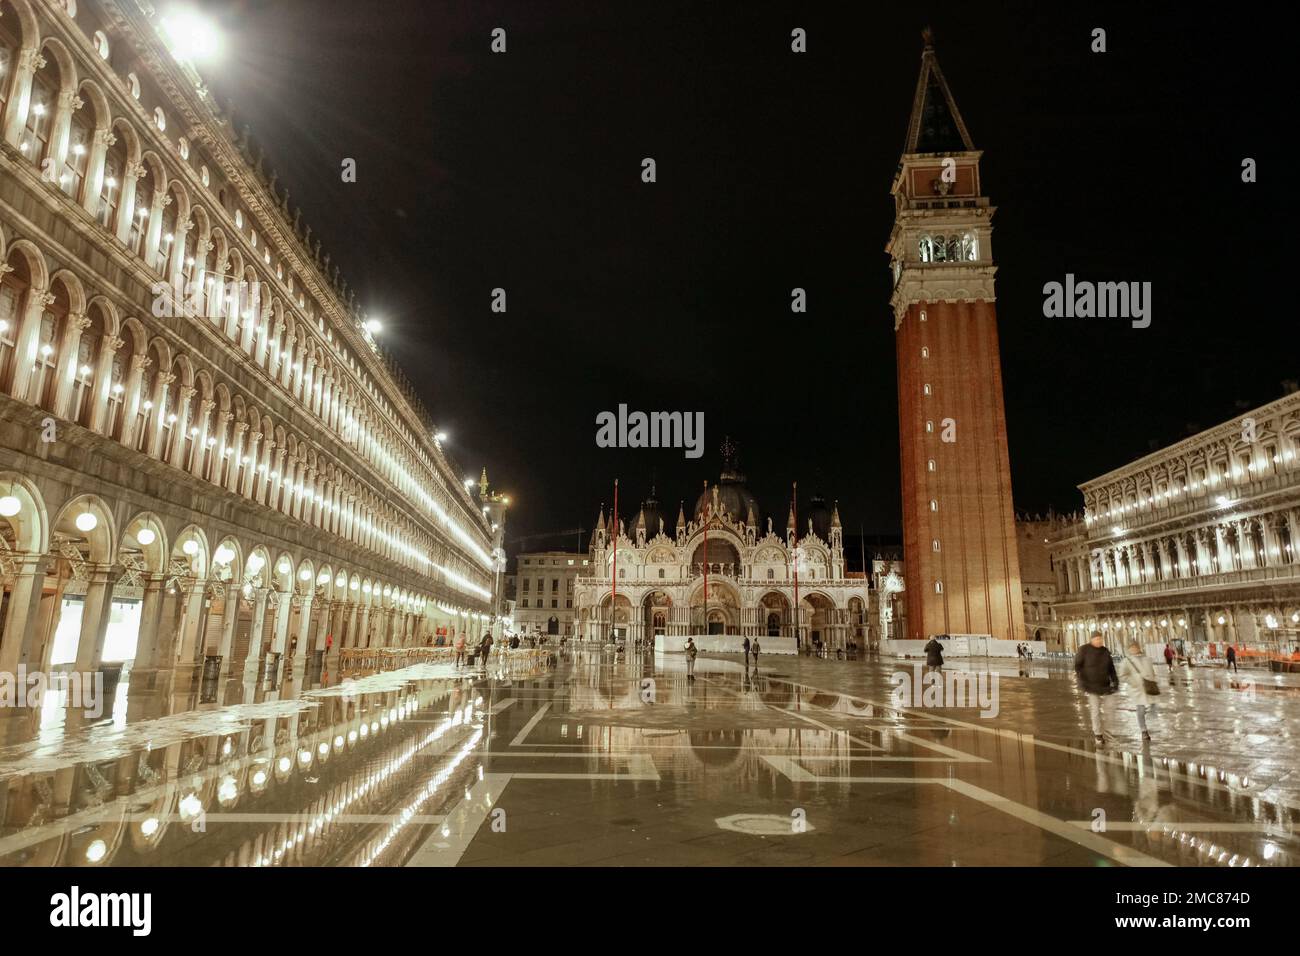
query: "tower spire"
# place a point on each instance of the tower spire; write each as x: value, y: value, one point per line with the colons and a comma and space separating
x: 936, y: 125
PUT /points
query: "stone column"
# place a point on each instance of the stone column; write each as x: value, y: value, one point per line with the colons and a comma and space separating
x: 279, y: 635
x: 250, y: 469
x: 100, y: 143
x: 126, y: 202
x: 100, y: 399
x: 18, y: 628
x: 191, y: 620
x: 181, y: 427
x: 94, y: 616
x: 68, y: 102
x: 236, y: 455
x: 175, y: 267
x: 199, y: 450
x: 26, y: 64
x: 154, y: 441
x: 66, y: 371
x: 257, y: 630
x: 133, y: 399
x: 26, y: 344
x: 149, y: 649
x: 229, y: 615
x: 304, y: 629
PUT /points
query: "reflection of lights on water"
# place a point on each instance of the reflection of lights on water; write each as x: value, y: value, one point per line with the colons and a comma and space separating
x: 259, y: 778
x: 304, y: 757
x: 149, y: 827
x: 365, y: 730
x: 96, y: 851
x: 284, y: 764
x: 338, y: 741
x: 190, y: 806
x: 228, y: 790
x: 323, y: 749
x: 374, y: 726
x: 1270, y: 850
x: 352, y: 736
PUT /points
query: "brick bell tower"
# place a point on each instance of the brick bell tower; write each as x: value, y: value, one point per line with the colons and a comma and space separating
x: 959, y: 544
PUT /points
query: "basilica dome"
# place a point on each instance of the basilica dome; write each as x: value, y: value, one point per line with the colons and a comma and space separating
x: 819, y: 514
x: 733, y: 496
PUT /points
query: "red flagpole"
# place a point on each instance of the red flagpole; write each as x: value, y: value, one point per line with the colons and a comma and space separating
x: 613, y: 599
x: 795, y: 508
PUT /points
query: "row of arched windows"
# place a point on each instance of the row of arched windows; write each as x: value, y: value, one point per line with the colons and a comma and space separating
x: 103, y: 165
x: 954, y: 248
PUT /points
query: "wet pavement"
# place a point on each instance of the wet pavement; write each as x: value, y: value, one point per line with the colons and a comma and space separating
x: 620, y: 760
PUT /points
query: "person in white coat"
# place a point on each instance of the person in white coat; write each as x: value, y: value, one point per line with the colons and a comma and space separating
x: 1140, y: 675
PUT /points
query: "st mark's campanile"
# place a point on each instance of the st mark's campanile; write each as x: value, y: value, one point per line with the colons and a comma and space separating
x: 959, y: 544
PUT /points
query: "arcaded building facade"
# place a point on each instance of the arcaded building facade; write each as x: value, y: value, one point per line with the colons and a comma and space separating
x: 1193, y: 543
x: 202, y: 449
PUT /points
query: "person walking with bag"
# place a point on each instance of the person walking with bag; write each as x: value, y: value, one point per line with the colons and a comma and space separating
x: 1095, y: 670
x: 1140, y: 675
x: 691, y: 651
x: 1232, y: 658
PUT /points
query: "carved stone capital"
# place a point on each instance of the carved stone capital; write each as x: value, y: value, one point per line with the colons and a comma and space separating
x: 42, y: 298
x: 140, y: 362
x: 69, y: 99
x: 78, y: 322
x: 166, y: 378
x: 241, y: 427
x: 134, y: 170
x: 105, y: 137
x: 111, y: 342
x: 206, y: 406
x: 31, y: 60
x: 186, y: 392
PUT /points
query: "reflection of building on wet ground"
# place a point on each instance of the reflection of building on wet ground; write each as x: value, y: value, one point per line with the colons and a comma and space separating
x: 250, y: 476
x: 1195, y: 543
x: 579, y: 764
x: 323, y: 778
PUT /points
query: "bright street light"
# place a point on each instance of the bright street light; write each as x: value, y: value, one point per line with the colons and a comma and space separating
x: 373, y: 326
x: 190, y: 35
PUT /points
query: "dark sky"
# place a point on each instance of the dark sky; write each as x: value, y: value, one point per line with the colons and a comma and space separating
x: 522, y: 171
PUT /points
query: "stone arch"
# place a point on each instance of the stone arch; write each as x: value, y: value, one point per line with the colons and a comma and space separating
x: 156, y: 551
x: 101, y: 540
x: 28, y: 529
x: 199, y: 556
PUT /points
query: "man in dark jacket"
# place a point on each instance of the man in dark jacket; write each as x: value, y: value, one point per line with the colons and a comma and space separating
x: 934, y: 654
x: 1095, y: 669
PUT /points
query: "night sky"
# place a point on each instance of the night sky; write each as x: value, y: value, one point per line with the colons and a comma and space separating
x: 522, y: 171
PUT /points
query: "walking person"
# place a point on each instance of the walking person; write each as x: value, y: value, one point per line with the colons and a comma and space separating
x: 1140, y: 675
x: 755, y: 649
x: 460, y: 649
x: 1169, y: 659
x: 934, y: 654
x: 746, y: 653
x: 1095, y: 670
x: 1232, y: 658
x: 485, y: 648
x: 691, y: 651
